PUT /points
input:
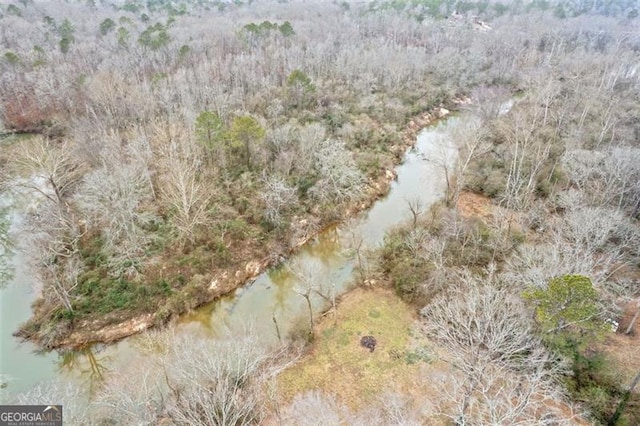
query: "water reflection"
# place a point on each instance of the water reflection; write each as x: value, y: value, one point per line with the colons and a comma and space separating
x: 87, y: 364
x: 276, y: 301
x: 271, y: 303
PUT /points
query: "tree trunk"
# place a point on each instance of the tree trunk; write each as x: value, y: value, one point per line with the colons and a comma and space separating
x: 633, y: 320
x: 623, y: 403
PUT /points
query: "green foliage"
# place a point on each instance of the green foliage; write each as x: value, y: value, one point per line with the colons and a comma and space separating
x: 266, y: 27
x: 131, y: 6
x: 209, y: 129
x: 300, y: 88
x: 559, y: 12
x: 406, y: 271
x: 107, y: 26
x: 567, y: 305
x: 64, y: 44
x: 49, y: 21
x: 66, y: 32
x: 14, y: 10
x: 125, y: 20
x: 154, y: 37
x: 500, y: 8
x: 123, y: 37
x: 420, y: 354
x: 299, y: 78
x: 465, y: 243
x: 11, y: 58
x: 286, y: 29
x: 184, y: 51
x: 594, y: 383
x: 97, y: 293
x: 568, y: 317
x: 244, y: 133
x: 597, y: 384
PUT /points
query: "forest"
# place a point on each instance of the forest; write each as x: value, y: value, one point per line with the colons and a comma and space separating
x: 169, y: 152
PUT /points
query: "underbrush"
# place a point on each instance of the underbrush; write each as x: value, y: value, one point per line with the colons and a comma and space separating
x: 418, y: 258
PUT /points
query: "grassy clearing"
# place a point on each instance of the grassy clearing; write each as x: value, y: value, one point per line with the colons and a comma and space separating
x: 338, y: 365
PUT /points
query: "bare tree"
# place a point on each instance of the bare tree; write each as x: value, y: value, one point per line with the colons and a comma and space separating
x: 312, y: 280
x: 53, y: 173
x: 444, y: 158
x: 339, y: 177
x: 416, y: 207
x: 116, y: 199
x: 310, y: 139
x: 488, y: 102
x: 625, y: 292
x: 356, y: 246
x: 472, y: 144
x: 73, y: 398
x: 590, y: 241
x: 316, y: 407
x: 223, y: 381
x: 51, y: 245
x: 183, y: 190
x: 52, y: 168
x: 313, y: 408
x: 607, y: 178
x: 489, y: 340
x: 278, y: 197
x: 5, y: 248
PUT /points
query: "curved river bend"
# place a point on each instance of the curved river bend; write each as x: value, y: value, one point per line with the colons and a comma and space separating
x: 272, y: 297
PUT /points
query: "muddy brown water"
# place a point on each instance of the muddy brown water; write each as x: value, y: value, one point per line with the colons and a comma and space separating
x: 329, y: 259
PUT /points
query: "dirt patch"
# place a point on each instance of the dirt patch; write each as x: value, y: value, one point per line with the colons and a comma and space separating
x: 471, y: 204
x: 108, y: 334
x: 625, y: 348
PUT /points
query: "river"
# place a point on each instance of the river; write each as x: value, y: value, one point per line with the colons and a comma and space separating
x: 271, y: 299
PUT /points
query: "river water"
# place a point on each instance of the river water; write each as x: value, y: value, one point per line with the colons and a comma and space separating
x: 272, y: 303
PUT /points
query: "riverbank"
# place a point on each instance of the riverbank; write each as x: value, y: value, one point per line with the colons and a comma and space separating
x: 70, y: 333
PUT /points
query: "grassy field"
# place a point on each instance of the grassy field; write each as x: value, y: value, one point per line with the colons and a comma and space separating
x: 338, y: 365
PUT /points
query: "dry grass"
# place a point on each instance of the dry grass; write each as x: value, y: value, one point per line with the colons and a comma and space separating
x: 471, y: 204
x: 338, y: 365
x: 404, y: 361
x: 625, y: 349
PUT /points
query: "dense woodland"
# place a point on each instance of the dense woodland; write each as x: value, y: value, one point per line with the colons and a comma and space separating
x: 162, y: 145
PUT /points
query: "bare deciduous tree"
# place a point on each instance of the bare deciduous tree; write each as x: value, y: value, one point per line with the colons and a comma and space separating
x: 312, y: 280
x: 52, y: 231
x: 472, y: 144
x: 416, y: 207
x: 316, y: 407
x: 313, y: 408
x: 339, y: 177
x: 278, y: 197
x: 5, y: 248
x: 590, y: 241
x: 71, y: 396
x: 444, y: 158
x: 502, y: 373
x: 221, y: 381
x: 116, y: 200
x: 52, y: 168
x: 183, y: 190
